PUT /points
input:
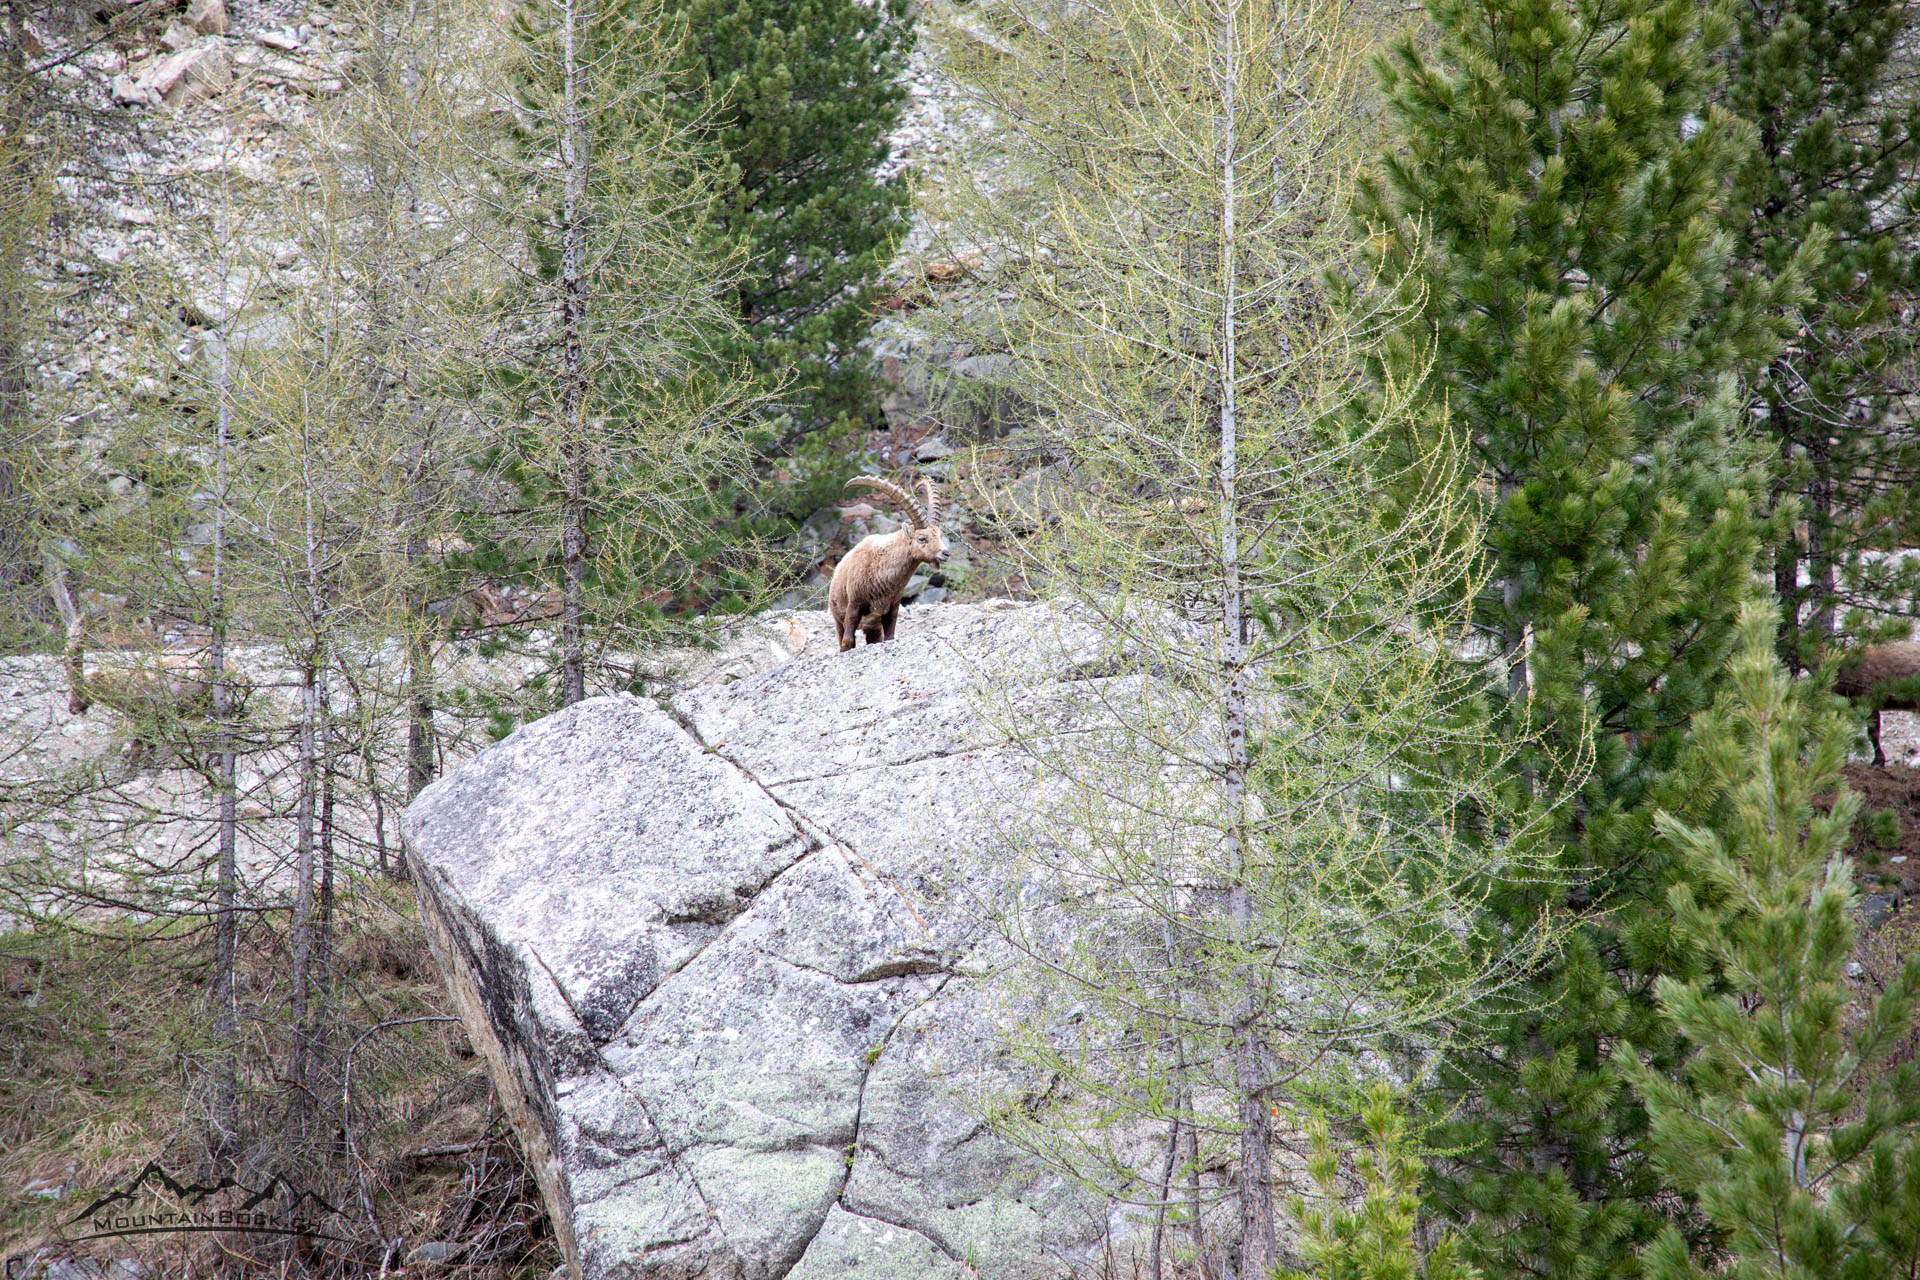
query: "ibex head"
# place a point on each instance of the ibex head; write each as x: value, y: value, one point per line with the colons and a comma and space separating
x: 924, y: 543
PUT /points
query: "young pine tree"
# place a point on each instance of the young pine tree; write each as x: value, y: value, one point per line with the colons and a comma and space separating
x: 1788, y: 1124
x: 1376, y: 1240
x: 802, y: 96
x: 1838, y: 143
x: 1553, y: 205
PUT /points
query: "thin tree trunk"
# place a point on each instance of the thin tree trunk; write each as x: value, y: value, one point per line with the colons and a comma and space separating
x: 421, y: 692
x: 379, y: 814
x: 226, y: 1104
x: 1257, y: 1240
x: 302, y: 939
x: 420, y: 696
x: 1786, y: 588
x: 1157, y: 1245
x: 323, y: 944
x: 17, y: 179
x: 573, y: 300
x: 1190, y: 1160
x: 411, y: 513
x: 305, y: 821
x: 1821, y: 586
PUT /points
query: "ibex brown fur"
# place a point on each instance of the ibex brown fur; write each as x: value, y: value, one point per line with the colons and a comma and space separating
x: 865, y: 595
x: 1884, y: 676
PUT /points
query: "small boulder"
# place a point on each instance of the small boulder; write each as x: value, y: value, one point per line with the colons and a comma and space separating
x: 209, y: 17
x: 188, y: 76
x: 128, y: 92
x: 1876, y: 907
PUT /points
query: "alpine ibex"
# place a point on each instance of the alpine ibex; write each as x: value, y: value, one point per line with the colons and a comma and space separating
x: 865, y: 593
x: 1884, y: 676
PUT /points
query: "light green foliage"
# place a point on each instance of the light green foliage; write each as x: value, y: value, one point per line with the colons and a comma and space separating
x: 1376, y: 1240
x: 1800, y: 1141
x: 803, y: 96
x: 624, y: 417
x: 1553, y: 211
x: 29, y: 143
x: 1268, y: 841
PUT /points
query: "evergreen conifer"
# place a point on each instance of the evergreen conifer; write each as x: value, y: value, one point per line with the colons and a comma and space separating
x: 1377, y: 1239
x: 1554, y: 202
x: 1788, y: 1124
x: 802, y: 95
x: 1838, y: 139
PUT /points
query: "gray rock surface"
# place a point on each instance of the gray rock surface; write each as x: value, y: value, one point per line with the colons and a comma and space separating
x: 717, y: 953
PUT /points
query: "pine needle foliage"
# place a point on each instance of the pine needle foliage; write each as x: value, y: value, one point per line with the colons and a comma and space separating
x: 1837, y: 126
x: 1270, y: 837
x: 1799, y: 1138
x: 1555, y: 198
x: 1377, y: 1239
x: 798, y: 100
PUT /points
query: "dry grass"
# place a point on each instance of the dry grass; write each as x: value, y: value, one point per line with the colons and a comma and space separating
x: 104, y: 1065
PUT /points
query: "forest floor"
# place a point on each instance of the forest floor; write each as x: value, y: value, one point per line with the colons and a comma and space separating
x: 96, y: 1028
x: 1887, y: 867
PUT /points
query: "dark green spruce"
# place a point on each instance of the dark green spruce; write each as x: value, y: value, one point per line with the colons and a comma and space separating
x: 802, y: 96
x: 1838, y: 142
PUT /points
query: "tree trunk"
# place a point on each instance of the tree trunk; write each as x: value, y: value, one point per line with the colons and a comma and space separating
x: 573, y: 386
x: 17, y: 180
x: 1822, y: 591
x: 301, y: 942
x: 1190, y: 1160
x: 226, y: 1031
x: 1786, y: 588
x: 323, y: 943
x: 306, y: 817
x: 1257, y: 1241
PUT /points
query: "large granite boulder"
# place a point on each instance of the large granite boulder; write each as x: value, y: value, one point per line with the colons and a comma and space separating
x: 716, y: 954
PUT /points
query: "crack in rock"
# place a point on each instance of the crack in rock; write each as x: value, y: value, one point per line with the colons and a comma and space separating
x: 725, y: 1121
x: 874, y: 1055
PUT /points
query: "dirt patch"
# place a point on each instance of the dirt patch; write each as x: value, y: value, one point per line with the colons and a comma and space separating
x: 1887, y: 856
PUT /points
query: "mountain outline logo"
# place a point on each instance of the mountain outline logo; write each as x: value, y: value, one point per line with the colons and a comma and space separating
x: 196, y: 1214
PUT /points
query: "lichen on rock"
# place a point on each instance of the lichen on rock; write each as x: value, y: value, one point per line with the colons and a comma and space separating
x: 717, y: 958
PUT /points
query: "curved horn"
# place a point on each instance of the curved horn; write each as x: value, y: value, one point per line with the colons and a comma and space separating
x: 889, y: 489
x: 933, y: 501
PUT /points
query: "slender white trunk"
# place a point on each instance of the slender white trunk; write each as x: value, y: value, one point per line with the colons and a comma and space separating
x: 1257, y: 1241
x: 226, y: 1029
x: 573, y: 319
x: 302, y: 940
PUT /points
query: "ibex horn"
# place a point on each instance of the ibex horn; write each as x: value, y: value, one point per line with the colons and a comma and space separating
x: 900, y: 497
x: 933, y: 501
